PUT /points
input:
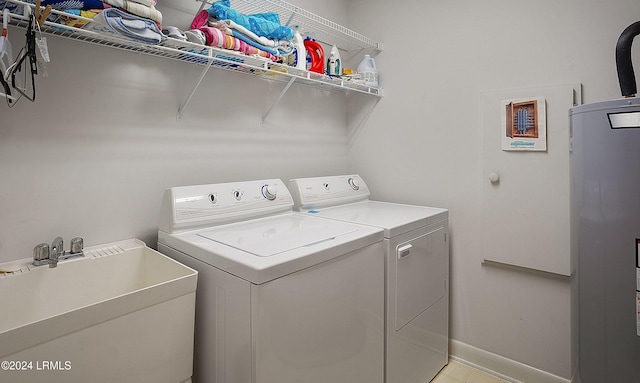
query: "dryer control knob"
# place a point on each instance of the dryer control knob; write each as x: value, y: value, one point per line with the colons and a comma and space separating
x: 269, y: 192
x: 354, y: 184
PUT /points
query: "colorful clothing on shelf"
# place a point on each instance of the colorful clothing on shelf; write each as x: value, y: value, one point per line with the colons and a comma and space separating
x: 138, y: 8
x: 68, y: 18
x: 262, y: 24
x: 216, y: 38
x: 118, y: 22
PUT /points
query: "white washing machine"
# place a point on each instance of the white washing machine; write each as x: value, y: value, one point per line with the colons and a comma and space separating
x: 417, y: 270
x: 282, y: 297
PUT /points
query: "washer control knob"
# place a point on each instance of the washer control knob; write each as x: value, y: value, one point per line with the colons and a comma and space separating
x: 213, y: 198
x: 326, y: 186
x: 237, y: 194
x: 269, y: 191
x: 354, y: 183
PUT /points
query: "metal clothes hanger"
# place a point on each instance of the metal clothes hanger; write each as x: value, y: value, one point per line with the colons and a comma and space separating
x: 24, y: 69
x: 22, y: 74
x: 25, y: 84
x: 6, y: 58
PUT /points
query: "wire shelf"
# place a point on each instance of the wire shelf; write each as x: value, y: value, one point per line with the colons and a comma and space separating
x: 208, y: 56
x: 321, y: 29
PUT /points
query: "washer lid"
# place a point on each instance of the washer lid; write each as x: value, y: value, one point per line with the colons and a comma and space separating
x: 266, y: 238
x: 263, y: 249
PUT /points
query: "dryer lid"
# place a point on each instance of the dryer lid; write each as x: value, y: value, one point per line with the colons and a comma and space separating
x: 275, y: 235
x: 394, y: 218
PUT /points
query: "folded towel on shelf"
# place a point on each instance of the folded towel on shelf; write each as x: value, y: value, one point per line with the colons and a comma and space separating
x: 68, y: 18
x: 262, y: 24
x: 137, y: 8
x: 196, y: 36
x: 216, y: 38
x: 234, y: 27
x: 200, y: 19
x: 229, y: 27
x: 174, y: 33
x: 114, y: 20
x: 248, y: 41
x: 148, y: 3
x: 62, y: 5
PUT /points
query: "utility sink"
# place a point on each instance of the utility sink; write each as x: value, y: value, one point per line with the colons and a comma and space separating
x: 121, y: 313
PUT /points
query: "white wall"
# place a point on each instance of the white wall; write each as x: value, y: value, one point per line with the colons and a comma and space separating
x: 93, y: 155
x: 423, y: 142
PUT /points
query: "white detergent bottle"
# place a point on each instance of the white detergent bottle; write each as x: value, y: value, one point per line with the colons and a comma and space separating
x: 300, y: 52
x: 368, y: 71
x: 334, y: 63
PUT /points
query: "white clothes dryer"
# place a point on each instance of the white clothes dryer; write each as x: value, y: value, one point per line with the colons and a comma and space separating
x: 417, y: 270
x: 282, y: 297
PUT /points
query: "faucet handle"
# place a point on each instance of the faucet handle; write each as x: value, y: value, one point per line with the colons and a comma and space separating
x: 40, y: 254
x: 77, y: 245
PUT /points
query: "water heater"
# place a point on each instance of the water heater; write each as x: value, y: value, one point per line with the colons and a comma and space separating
x: 605, y: 219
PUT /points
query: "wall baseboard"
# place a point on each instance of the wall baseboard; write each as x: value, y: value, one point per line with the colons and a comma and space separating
x: 500, y: 366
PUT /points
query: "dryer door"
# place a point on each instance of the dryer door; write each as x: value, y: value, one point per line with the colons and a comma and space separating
x: 421, y: 273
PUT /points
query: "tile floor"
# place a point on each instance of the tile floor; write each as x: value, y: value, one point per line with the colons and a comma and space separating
x: 456, y: 372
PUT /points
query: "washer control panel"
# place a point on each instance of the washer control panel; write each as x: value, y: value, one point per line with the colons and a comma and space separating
x: 194, y: 206
x: 317, y: 192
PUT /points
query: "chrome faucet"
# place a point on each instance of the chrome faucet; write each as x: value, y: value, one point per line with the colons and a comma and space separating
x: 57, y: 249
x: 43, y: 254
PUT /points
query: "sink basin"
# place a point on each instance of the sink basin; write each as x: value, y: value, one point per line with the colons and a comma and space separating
x: 122, y: 313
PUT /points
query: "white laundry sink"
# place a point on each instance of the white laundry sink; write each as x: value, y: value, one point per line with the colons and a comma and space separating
x: 122, y: 313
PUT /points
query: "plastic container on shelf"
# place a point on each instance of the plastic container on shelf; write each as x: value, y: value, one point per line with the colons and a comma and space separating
x: 368, y: 71
x: 300, y: 54
x: 316, y: 53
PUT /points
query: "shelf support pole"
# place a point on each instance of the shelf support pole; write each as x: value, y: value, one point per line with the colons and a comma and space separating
x: 277, y: 100
x: 186, y: 102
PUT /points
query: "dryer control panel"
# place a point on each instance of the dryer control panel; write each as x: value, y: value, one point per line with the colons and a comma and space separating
x: 191, y: 207
x: 320, y: 192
